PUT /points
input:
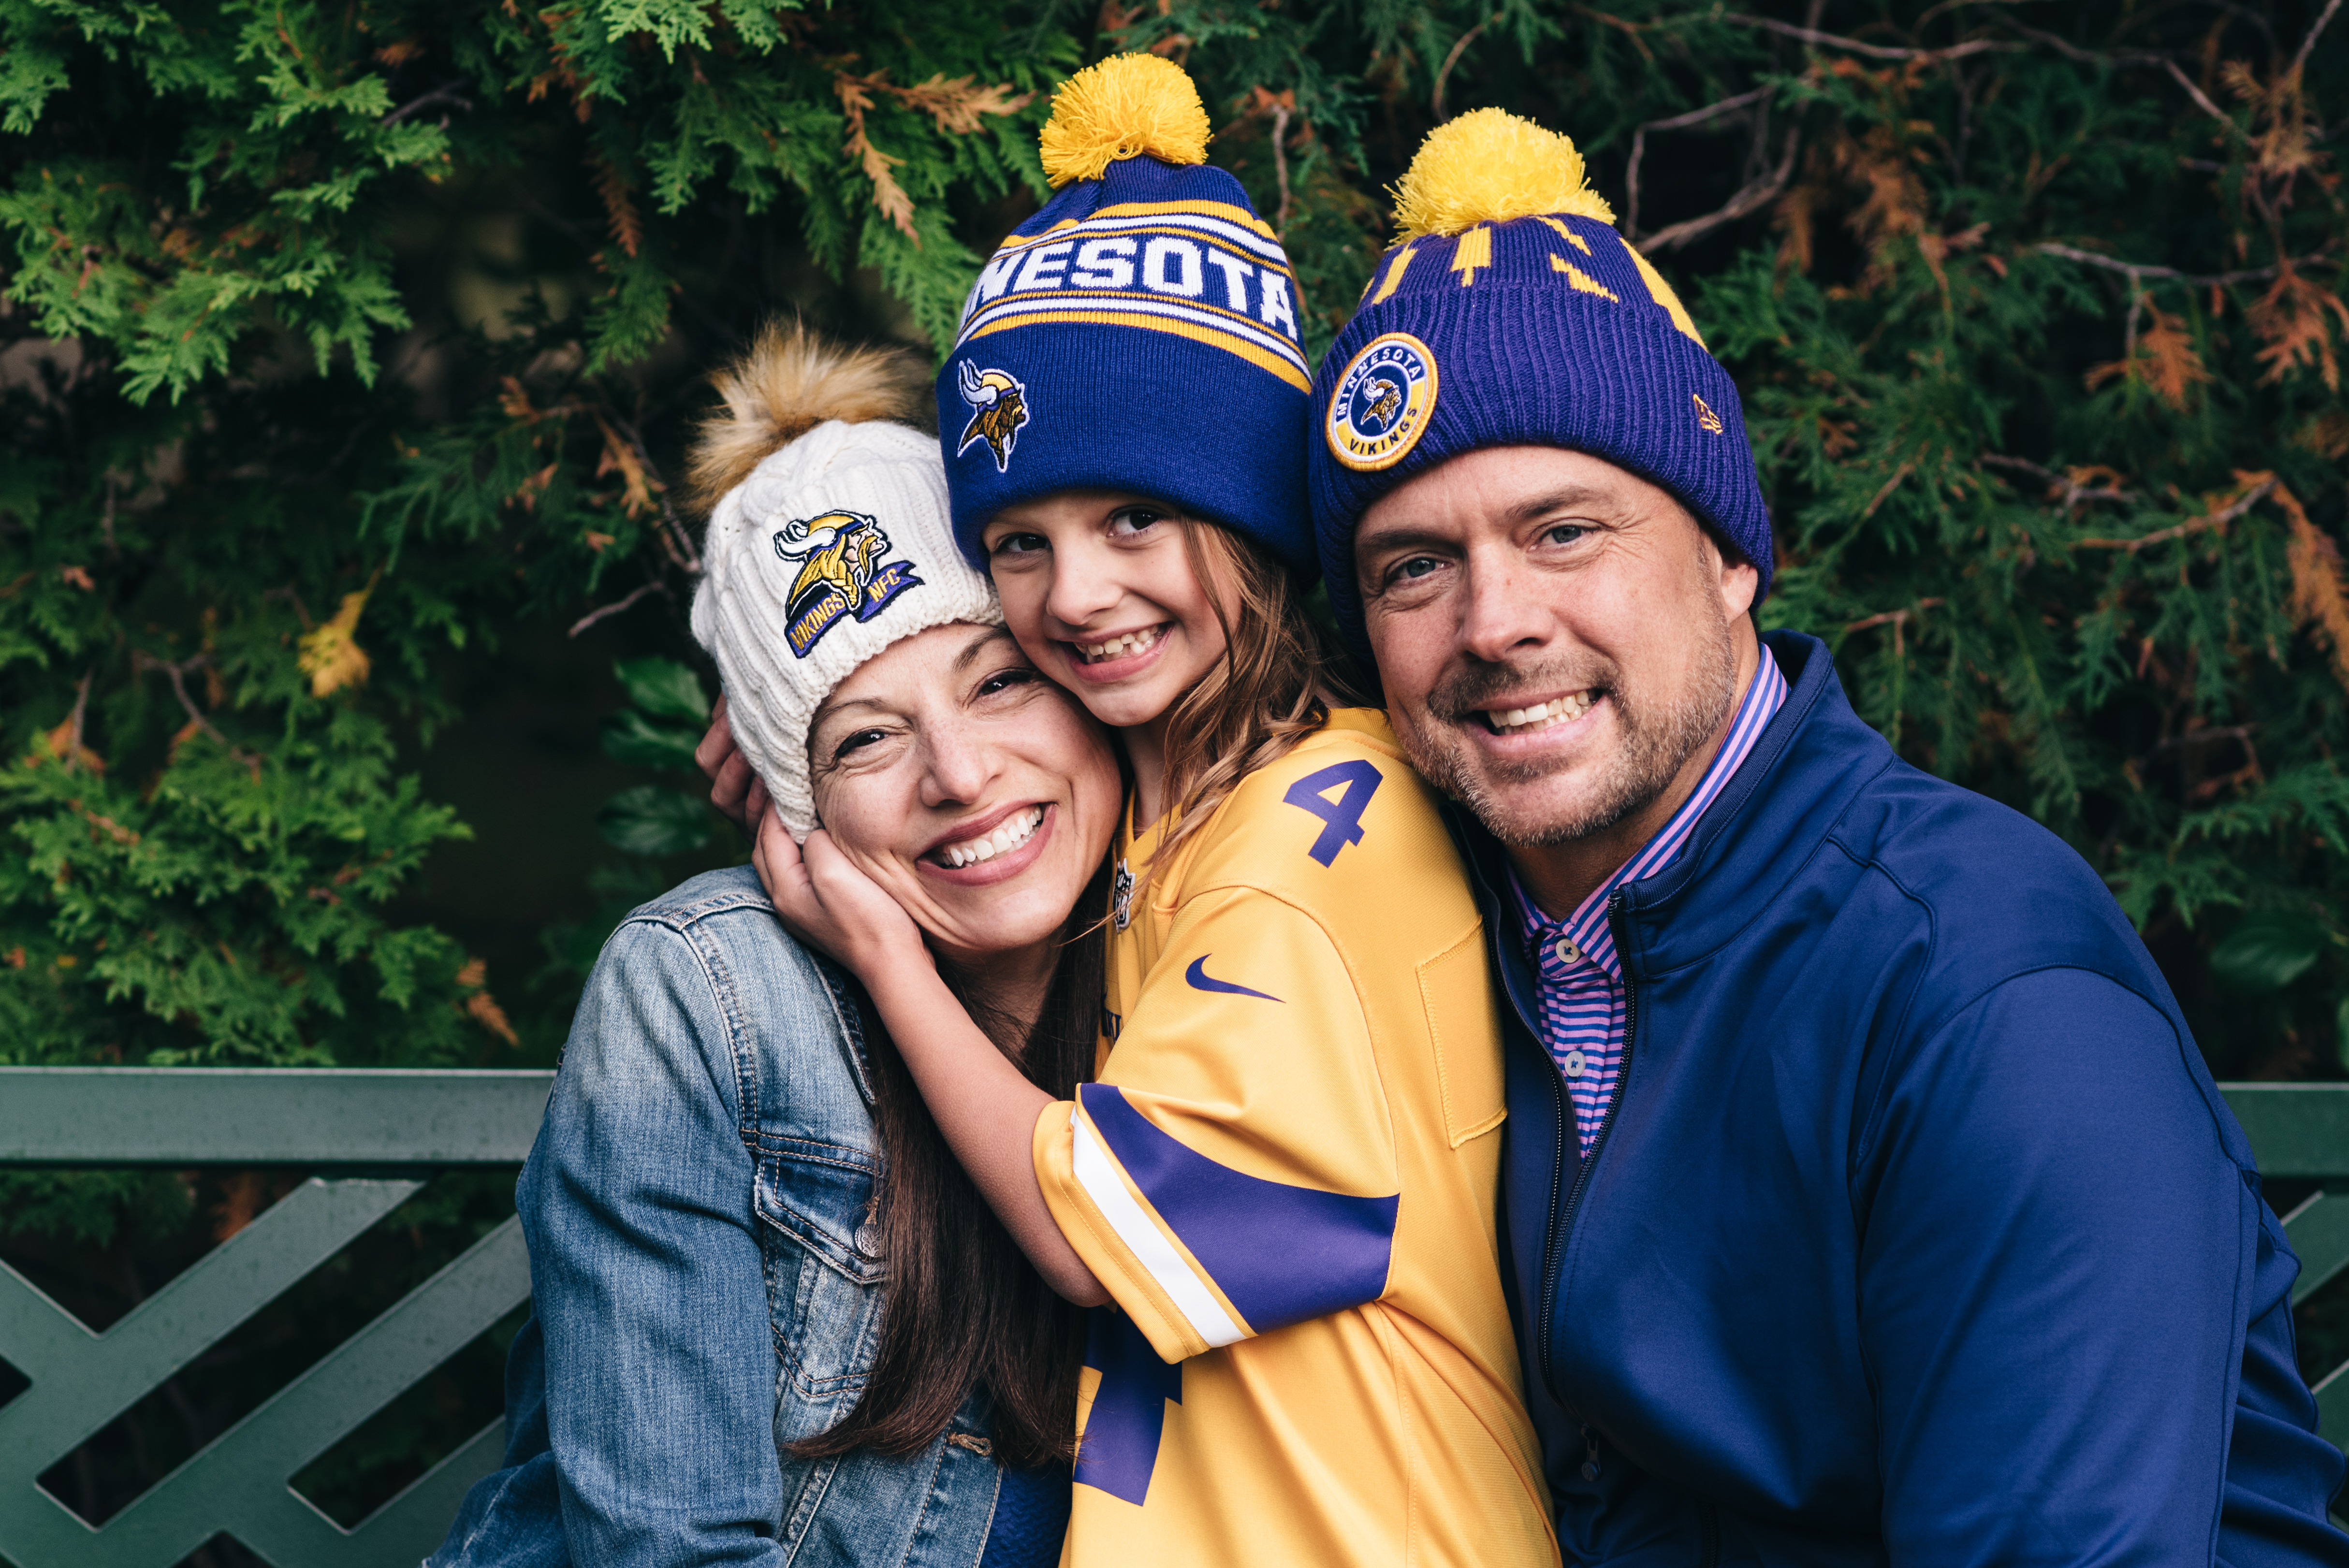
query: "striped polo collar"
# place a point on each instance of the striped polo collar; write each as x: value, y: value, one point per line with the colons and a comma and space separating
x: 1587, y: 926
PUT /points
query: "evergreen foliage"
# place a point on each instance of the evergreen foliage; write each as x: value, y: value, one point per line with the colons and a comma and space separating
x: 2037, y: 309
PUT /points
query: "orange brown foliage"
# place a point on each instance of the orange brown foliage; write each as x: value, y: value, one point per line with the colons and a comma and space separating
x: 956, y: 105
x: 480, y: 1006
x: 627, y: 224
x: 2318, y: 599
x: 637, y: 498
x: 855, y: 99
x: 2293, y: 321
x: 2327, y: 435
x: 2165, y: 362
x: 1880, y: 166
x: 957, y: 108
x: 484, y: 1010
x: 65, y: 745
x: 242, y: 1196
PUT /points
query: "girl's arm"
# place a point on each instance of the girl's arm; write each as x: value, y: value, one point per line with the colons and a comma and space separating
x: 985, y: 1106
x: 740, y: 794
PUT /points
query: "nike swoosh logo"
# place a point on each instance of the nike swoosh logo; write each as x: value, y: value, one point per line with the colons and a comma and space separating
x: 1200, y: 980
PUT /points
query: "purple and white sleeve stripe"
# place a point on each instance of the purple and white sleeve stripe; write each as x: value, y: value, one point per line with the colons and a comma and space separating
x: 1278, y: 1253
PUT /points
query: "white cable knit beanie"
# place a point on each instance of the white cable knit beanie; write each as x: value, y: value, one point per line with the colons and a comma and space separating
x: 828, y: 550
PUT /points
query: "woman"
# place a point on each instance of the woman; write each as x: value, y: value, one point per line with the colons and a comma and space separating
x: 1284, y: 1181
x: 773, y: 1320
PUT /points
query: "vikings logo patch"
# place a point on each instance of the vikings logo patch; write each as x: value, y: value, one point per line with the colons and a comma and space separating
x: 841, y: 574
x: 1382, y: 405
x: 998, y: 411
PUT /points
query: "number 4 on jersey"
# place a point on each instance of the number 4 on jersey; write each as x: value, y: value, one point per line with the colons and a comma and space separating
x: 1356, y: 783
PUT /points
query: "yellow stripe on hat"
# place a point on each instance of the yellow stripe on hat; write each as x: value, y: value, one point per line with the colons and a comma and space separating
x: 1196, y: 332
x: 1661, y: 292
x: 1582, y: 280
x: 1577, y: 241
x: 1394, y: 273
x: 1029, y: 242
x: 1024, y: 304
x: 1223, y: 210
x: 1249, y: 242
x: 1014, y: 309
x: 1471, y: 250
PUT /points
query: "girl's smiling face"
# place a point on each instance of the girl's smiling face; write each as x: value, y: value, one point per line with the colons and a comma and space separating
x: 1099, y: 588
x: 974, y: 791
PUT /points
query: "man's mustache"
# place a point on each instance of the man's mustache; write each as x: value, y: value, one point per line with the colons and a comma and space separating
x: 1472, y: 691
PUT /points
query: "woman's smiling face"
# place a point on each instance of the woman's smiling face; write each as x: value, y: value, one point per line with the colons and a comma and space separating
x: 976, y: 793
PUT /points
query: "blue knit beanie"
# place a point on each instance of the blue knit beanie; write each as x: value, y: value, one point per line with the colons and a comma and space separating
x: 1512, y: 314
x: 1139, y: 334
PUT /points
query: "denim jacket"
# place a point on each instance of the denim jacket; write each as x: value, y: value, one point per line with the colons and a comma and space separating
x: 705, y: 1278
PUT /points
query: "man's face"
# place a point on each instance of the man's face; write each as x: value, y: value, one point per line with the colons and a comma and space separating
x: 1557, y: 637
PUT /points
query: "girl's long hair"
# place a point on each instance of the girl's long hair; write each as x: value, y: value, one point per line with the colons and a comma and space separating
x: 1265, y: 695
x: 963, y: 1307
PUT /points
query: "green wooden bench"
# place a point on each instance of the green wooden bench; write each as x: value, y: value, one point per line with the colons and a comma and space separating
x: 376, y: 1136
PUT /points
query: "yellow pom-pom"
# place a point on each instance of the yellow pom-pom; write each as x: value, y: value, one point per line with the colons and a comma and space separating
x: 1488, y: 167
x: 1123, y: 108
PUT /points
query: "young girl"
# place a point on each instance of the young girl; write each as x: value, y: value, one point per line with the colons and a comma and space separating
x: 1281, y: 1194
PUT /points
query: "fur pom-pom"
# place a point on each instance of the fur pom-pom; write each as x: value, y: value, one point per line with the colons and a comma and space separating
x: 1488, y: 167
x: 1123, y: 108
x: 790, y: 381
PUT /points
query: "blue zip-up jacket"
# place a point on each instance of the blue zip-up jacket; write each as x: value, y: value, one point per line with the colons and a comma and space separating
x: 1917, y: 1232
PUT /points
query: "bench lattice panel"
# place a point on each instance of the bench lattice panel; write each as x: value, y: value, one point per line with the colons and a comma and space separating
x: 389, y: 1130
x: 395, y: 1125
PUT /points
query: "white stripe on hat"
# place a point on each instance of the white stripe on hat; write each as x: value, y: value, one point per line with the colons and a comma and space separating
x: 1222, y: 229
x: 992, y: 317
x: 1230, y: 232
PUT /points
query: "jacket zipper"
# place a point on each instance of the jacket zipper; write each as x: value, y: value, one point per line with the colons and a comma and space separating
x: 1563, y: 1223
x: 1547, y: 1294
x: 1564, y: 1119
x: 1708, y: 1518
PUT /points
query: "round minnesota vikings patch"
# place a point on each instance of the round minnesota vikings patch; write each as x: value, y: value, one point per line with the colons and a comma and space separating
x: 1382, y: 403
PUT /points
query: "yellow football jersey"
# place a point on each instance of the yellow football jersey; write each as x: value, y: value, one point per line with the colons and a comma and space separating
x: 1286, y: 1177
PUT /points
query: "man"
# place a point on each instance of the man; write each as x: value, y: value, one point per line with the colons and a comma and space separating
x: 1868, y: 1199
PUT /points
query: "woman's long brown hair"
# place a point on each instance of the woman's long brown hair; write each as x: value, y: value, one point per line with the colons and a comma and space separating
x: 1264, y: 696
x: 964, y: 1308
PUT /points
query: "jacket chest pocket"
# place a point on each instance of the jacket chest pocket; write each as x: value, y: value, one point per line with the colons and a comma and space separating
x: 822, y: 1247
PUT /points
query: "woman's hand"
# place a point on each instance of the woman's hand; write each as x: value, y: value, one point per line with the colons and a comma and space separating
x: 986, y: 1110
x: 737, y: 792
x: 827, y: 902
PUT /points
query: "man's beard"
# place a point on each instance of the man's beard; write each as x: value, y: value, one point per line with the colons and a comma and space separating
x: 1658, y: 738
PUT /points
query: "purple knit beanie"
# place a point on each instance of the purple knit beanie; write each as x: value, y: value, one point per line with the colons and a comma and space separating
x: 1512, y: 314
